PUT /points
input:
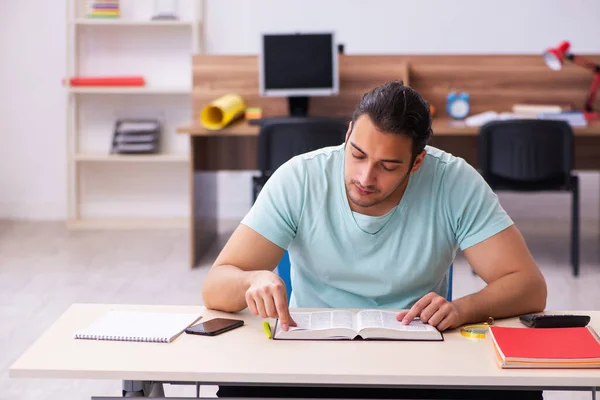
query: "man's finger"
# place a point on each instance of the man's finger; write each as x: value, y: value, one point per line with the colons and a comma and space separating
x: 251, y: 304
x: 260, y: 306
x: 445, y: 323
x: 284, y: 313
x: 270, y: 308
x: 430, y: 311
x: 416, y: 309
x: 438, y: 315
x: 401, y: 315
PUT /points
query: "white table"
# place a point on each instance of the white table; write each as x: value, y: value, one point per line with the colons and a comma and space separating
x: 246, y: 356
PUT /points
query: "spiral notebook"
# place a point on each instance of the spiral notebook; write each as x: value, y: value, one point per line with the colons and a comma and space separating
x: 138, y: 326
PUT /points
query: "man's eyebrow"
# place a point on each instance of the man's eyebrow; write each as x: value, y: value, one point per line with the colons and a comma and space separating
x: 386, y: 160
x: 358, y: 148
x: 392, y: 161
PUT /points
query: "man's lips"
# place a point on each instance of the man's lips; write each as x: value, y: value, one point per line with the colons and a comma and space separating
x: 363, y: 191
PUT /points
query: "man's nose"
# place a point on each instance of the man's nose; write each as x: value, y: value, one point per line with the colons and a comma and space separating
x: 367, y: 176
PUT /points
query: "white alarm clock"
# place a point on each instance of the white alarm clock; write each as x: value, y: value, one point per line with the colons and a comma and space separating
x: 457, y: 105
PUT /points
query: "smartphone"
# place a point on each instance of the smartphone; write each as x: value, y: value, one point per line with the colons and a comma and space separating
x: 214, y: 327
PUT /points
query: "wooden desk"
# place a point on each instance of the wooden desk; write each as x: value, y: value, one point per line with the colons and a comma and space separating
x: 246, y: 356
x: 235, y: 148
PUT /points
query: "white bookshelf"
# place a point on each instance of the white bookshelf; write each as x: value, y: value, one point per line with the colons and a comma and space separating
x: 116, y: 191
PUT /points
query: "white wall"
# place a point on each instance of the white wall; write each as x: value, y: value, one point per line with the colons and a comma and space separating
x: 32, y: 181
x: 32, y: 102
x: 405, y: 26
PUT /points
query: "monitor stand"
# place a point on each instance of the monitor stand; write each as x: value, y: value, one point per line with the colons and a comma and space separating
x: 298, y: 106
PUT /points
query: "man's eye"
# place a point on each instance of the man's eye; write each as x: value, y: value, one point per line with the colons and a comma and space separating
x: 359, y: 156
x: 388, y: 169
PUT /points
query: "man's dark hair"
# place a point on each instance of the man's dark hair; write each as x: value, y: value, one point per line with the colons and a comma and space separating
x: 396, y: 108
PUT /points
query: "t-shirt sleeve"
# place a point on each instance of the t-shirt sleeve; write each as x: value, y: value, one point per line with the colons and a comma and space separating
x: 278, y: 207
x: 473, y: 208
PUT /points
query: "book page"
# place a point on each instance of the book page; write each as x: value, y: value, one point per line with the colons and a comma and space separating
x: 321, y: 320
x: 370, y: 319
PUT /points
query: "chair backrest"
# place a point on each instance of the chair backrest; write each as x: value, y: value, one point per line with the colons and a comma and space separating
x: 280, y: 139
x: 526, y: 152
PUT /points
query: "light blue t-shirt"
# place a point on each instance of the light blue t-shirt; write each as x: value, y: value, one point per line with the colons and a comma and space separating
x: 343, y: 259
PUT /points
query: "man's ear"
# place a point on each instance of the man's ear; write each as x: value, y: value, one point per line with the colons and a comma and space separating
x: 349, y: 131
x: 418, y: 161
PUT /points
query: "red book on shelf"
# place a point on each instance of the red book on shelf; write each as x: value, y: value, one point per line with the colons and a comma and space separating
x: 107, y: 81
x: 546, y: 347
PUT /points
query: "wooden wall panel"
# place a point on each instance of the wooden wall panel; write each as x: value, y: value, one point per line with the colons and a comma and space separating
x: 214, y: 76
x: 495, y: 82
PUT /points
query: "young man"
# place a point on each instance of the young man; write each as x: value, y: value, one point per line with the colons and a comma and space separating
x: 375, y: 223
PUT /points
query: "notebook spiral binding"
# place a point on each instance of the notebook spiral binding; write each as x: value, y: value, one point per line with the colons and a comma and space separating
x: 121, y: 338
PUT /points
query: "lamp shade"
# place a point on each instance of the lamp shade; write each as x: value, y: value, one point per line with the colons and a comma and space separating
x: 554, y: 56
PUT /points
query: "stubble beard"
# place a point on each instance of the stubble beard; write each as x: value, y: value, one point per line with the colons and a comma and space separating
x: 370, y: 203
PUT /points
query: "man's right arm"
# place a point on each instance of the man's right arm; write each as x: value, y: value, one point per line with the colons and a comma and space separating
x: 246, y: 258
x: 243, y: 273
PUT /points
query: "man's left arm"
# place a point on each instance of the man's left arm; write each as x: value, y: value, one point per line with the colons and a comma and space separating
x: 515, y: 285
x: 496, y: 251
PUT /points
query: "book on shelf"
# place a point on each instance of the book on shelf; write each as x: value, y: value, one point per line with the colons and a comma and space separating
x: 573, y: 118
x: 350, y: 324
x: 107, y: 81
x: 103, y: 9
x: 533, y: 109
x: 546, y: 347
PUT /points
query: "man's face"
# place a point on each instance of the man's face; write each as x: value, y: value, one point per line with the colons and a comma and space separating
x: 377, y: 164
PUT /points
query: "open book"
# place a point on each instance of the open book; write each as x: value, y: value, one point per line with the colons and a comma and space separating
x: 347, y: 324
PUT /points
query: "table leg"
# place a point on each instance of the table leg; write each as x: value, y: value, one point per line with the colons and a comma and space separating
x: 593, y: 393
x: 133, y: 388
x: 203, y: 202
x: 143, y: 389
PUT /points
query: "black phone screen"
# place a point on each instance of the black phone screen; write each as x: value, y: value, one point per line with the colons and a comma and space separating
x: 214, y: 326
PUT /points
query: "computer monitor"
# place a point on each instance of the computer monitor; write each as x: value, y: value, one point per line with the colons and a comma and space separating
x: 297, y: 66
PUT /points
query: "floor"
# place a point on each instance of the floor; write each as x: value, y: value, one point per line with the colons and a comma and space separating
x: 44, y: 268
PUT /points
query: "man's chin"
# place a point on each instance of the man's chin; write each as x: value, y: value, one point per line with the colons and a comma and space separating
x: 362, y: 201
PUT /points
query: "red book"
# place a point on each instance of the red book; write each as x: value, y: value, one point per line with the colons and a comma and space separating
x: 546, y: 347
x: 108, y: 81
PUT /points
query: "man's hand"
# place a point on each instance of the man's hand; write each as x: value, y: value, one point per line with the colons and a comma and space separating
x: 434, y: 310
x: 267, y: 297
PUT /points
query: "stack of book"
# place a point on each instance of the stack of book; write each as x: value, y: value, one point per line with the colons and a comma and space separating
x: 574, y: 118
x: 103, y: 9
x: 546, y: 347
x: 136, y: 137
x: 562, y: 112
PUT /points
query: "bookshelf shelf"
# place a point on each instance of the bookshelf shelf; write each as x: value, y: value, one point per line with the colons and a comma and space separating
x: 127, y: 223
x: 133, y: 23
x: 160, y: 158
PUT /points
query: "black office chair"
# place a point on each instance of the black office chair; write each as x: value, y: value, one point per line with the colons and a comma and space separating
x: 532, y: 156
x: 280, y: 139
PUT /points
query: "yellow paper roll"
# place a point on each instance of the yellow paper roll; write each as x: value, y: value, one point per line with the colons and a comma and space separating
x: 222, y: 111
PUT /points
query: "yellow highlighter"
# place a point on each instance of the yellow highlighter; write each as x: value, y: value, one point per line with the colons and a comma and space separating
x: 267, y: 328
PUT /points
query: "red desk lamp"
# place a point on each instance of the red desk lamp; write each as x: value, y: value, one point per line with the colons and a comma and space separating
x: 554, y: 58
